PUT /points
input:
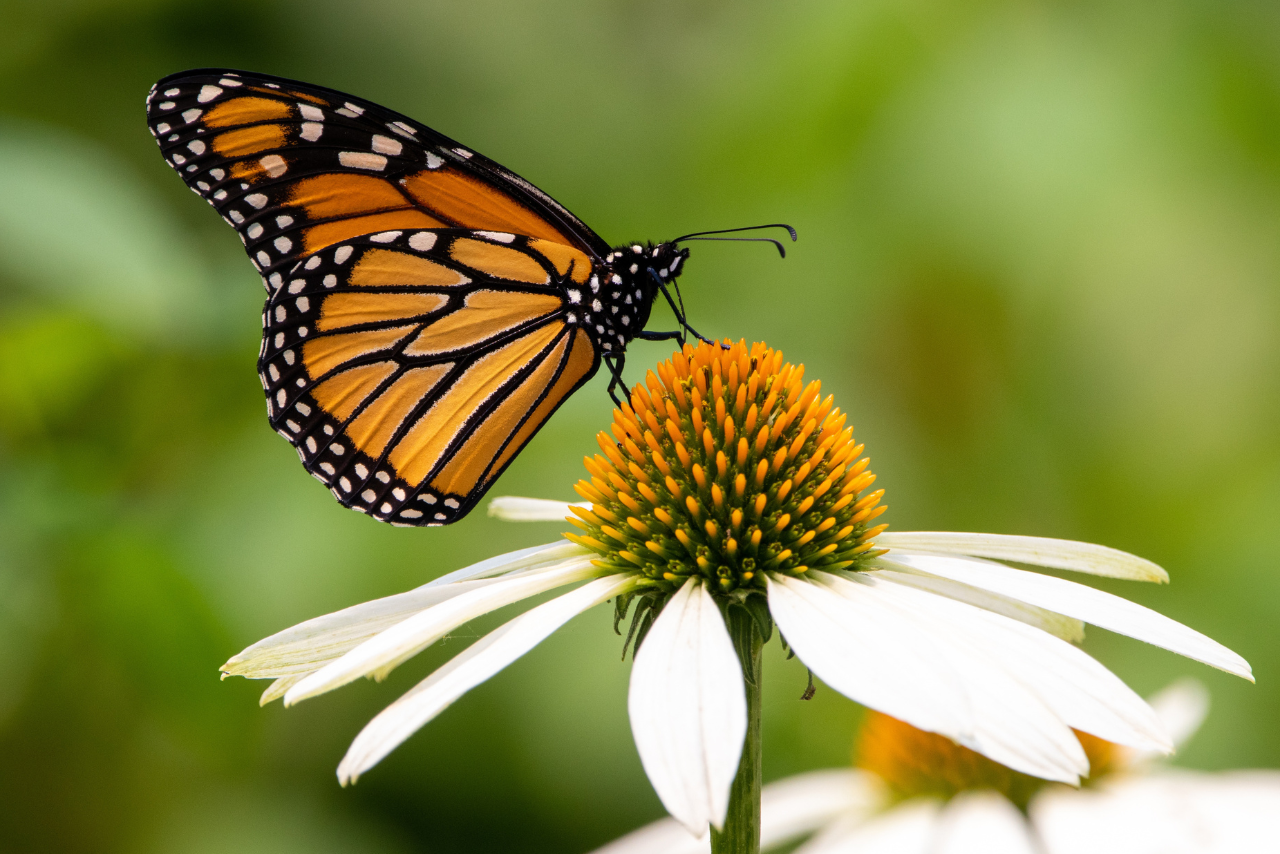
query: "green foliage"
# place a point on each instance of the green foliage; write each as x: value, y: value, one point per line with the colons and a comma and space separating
x: 1036, y: 264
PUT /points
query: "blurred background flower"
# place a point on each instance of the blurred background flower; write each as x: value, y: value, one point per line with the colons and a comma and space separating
x: 914, y: 792
x: 1037, y: 264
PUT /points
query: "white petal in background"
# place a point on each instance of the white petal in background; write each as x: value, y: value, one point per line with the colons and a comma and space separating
x: 1038, y: 551
x: 1078, y: 601
x: 688, y: 708
x: 790, y: 808
x: 474, y: 665
x: 872, y: 655
x: 908, y: 829
x: 383, y: 652
x: 1167, y: 813
x: 983, y: 823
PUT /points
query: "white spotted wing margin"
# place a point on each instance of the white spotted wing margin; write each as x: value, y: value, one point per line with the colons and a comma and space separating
x: 408, y: 380
x: 280, y: 132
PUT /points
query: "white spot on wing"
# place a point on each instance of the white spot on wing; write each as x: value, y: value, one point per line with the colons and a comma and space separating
x: 384, y: 237
x: 196, y: 146
x: 274, y: 164
x: 208, y: 93
x: 423, y: 241
x: 434, y: 162
x: 283, y: 244
x: 499, y: 236
x: 310, y: 113
x: 311, y: 131
x: 362, y: 160
x: 191, y: 115
x: 386, y: 145
x: 342, y: 254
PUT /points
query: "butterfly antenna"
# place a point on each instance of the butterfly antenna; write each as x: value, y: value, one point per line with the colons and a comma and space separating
x: 705, y: 235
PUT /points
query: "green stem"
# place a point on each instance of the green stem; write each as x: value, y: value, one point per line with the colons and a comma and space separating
x: 741, y: 833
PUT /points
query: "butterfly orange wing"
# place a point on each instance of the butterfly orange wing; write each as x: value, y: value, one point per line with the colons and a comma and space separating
x: 409, y: 367
x: 295, y: 168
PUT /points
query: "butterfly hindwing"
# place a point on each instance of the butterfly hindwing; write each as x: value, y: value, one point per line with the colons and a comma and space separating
x: 409, y: 367
x: 295, y: 168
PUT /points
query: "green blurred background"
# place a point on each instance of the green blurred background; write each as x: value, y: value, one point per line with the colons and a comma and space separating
x: 1038, y: 263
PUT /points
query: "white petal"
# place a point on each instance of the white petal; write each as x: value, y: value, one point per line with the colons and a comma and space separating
x: 1055, y: 624
x: 688, y: 708
x: 405, y: 639
x: 1169, y: 813
x: 1080, y: 691
x: 907, y: 829
x: 309, y: 645
x: 1075, y: 600
x: 1039, y: 551
x: 469, y: 668
x: 983, y: 823
x: 1181, y: 707
x: 664, y: 836
x: 511, y: 508
x: 1012, y: 724
x: 529, y: 558
x: 799, y: 805
x: 871, y: 655
x: 278, y: 687
x: 789, y: 808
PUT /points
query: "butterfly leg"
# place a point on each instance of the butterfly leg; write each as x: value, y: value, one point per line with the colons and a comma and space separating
x: 615, y: 363
x: 677, y: 335
x: 680, y: 318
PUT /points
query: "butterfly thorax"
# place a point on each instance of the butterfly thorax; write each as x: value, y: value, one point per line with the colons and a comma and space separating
x: 622, y: 288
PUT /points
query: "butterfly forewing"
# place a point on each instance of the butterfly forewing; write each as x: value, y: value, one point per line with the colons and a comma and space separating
x: 409, y: 367
x: 295, y: 168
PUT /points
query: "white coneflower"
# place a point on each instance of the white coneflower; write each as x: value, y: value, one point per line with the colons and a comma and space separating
x: 919, y: 793
x: 731, y: 496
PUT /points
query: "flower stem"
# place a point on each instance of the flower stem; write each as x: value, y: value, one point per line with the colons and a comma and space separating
x: 741, y: 834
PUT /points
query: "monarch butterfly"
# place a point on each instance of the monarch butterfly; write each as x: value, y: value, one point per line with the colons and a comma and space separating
x: 427, y: 310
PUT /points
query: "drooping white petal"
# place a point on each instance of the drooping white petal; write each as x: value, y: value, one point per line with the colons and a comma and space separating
x: 474, y: 665
x: 1012, y: 724
x: 1076, y: 687
x: 311, y: 644
x: 521, y: 559
x: 279, y: 687
x: 872, y: 655
x: 410, y: 636
x: 983, y: 823
x: 308, y: 646
x: 1076, y: 600
x: 688, y: 708
x: 512, y: 508
x: 908, y: 829
x: 1173, y: 812
x: 1181, y: 707
x: 1055, y: 624
x: 1038, y: 551
x: 789, y: 809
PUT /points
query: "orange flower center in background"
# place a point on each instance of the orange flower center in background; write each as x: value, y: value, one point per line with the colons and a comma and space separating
x: 914, y: 763
x: 724, y: 464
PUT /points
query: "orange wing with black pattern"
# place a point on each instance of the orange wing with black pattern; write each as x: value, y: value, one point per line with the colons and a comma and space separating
x: 418, y: 328
x: 295, y: 168
x: 409, y: 367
